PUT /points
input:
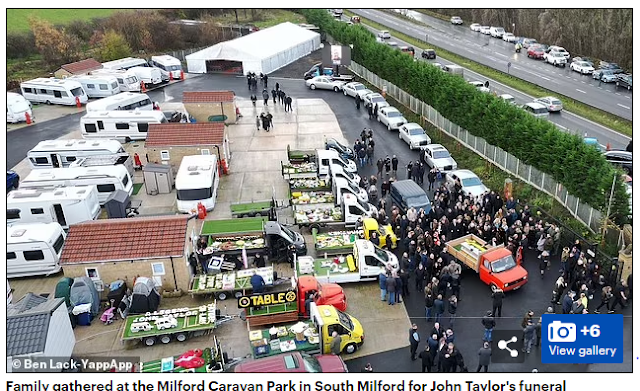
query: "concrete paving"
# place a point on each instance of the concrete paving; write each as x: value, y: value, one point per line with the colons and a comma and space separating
x: 44, y: 113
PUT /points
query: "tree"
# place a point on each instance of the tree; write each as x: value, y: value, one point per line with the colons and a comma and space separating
x: 113, y: 46
x: 56, y: 46
x: 235, y: 11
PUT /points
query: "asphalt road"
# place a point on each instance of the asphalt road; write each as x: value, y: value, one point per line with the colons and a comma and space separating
x: 475, y: 295
x: 496, y: 53
x: 564, y: 120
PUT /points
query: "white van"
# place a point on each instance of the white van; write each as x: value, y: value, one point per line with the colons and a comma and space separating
x: 148, y: 75
x: 120, y: 125
x: 197, y: 182
x: 107, y: 179
x: 34, y: 249
x: 167, y: 65
x: 125, y: 101
x: 127, y: 81
x: 98, y: 86
x: 106, y: 160
x: 496, y: 32
x: 341, y: 186
x: 65, y: 205
x: 337, y: 171
x: 61, y: 153
x: 326, y: 157
x: 53, y: 91
x: 18, y: 108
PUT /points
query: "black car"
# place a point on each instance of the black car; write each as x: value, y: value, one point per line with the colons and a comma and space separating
x: 343, y: 150
x: 622, y: 159
x: 625, y: 81
x: 429, y: 54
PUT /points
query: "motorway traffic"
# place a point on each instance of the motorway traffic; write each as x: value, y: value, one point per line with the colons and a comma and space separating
x: 497, y: 54
x: 564, y: 120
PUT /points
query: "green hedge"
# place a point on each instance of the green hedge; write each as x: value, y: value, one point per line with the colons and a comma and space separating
x: 537, y: 142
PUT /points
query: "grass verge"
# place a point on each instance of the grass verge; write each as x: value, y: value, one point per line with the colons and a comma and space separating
x: 261, y: 18
x: 18, y: 19
x: 601, y: 117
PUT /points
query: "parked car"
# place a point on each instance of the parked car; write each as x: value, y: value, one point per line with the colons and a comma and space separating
x: 588, y: 60
x: 391, y: 117
x: 541, y: 46
x: 552, y: 104
x: 508, y: 37
x: 611, y: 66
x: 508, y: 98
x: 581, y: 66
x: 437, y: 64
x: 393, y: 44
x: 414, y: 135
x: 535, y: 52
x: 475, y: 27
x: 536, y: 109
x: 352, y: 89
x: 344, y: 151
x: 486, y: 30
x: 555, y: 59
x: 292, y: 362
x: 456, y: 20
x: 621, y: 159
x: 496, y: 32
x: 560, y: 50
x: 375, y: 98
x: 526, y: 42
x: 437, y: 156
x: 470, y: 183
x: 409, y: 50
x: 384, y: 34
x: 605, y: 75
x: 13, y: 180
x: 625, y: 81
x: 429, y: 54
x: 324, y: 83
x: 480, y: 86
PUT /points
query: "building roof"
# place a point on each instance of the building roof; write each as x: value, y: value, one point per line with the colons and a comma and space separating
x: 125, y: 239
x: 80, y: 67
x: 207, y: 96
x: 28, y: 324
x: 176, y: 134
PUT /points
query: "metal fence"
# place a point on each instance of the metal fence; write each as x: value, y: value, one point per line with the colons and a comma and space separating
x: 586, y: 214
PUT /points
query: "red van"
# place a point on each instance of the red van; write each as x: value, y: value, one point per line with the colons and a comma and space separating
x: 294, y: 362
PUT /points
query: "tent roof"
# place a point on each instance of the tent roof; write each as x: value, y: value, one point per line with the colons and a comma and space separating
x: 256, y: 46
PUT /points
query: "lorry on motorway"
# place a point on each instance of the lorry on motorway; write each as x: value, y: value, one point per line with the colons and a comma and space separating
x: 310, y: 336
x: 253, y: 234
x: 291, y: 304
x: 365, y: 263
x: 495, y: 265
x: 347, y: 213
x: 341, y: 242
x: 172, y: 324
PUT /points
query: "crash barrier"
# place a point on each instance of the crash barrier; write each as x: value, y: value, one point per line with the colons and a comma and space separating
x: 590, y: 217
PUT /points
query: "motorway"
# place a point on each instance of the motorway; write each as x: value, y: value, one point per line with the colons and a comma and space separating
x: 564, y: 120
x: 475, y: 294
x: 496, y: 53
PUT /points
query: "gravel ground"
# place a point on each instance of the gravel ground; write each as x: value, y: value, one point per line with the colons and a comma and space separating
x: 296, y: 69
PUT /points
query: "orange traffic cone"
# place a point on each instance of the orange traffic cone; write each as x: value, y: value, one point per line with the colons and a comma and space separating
x: 78, y: 104
x: 170, y: 76
x: 27, y: 118
x: 181, y: 74
x: 142, y: 87
x: 608, y: 147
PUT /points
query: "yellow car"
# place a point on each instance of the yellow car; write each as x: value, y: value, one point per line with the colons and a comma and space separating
x: 371, y: 225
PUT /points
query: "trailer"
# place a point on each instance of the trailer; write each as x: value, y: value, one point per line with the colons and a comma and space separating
x: 301, y: 156
x: 254, y: 209
x: 311, y: 197
x: 174, y: 324
x: 350, y: 211
x: 236, y: 283
x: 309, y: 184
x: 335, y: 242
x: 298, y: 170
x: 208, y: 360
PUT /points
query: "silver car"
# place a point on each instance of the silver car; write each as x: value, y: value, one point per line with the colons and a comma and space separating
x: 391, y: 117
x: 375, y: 98
x: 352, y: 89
x: 324, y: 83
x: 439, y: 157
x: 536, y: 109
x: 414, y: 135
x: 552, y: 104
x: 470, y: 183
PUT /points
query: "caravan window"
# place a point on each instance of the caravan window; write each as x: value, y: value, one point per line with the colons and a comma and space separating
x: 104, y: 87
x: 44, y: 91
x: 28, y: 89
x: 100, y: 125
x: 114, y: 85
x: 70, y: 158
x: 122, y: 125
x: 106, y: 188
x: 143, y: 126
x: 11, y: 255
x: 76, y: 92
x: 90, y: 128
x: 34, y: 255
x: 125, y: 180
x: 194, y: 194
x: 37, y: 211
x: 91, y: 86
x: 120, y: 81
x: 58, y: 244
x: 42, y: 160
x: 13, y: 214
x: 58, y: 94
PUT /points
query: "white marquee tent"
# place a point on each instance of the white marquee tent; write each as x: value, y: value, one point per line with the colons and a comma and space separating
x: 263, y: 51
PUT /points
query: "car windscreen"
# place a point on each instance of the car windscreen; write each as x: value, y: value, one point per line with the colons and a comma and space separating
x: 359, y: 87
x: 416, y: 132
x: 311, y: 364
x: 503, y: 264
x: 419, y: 200
x: 377, y: 99
x: 555, y: 102
x: 468, y: 182
x: 441, y: 154
x: 394, y: 114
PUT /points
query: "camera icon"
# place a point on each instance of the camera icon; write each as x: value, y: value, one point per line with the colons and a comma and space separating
x: 558, y: 331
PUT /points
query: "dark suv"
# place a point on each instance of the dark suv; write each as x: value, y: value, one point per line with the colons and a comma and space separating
x: 429, y: 54
x: 625, y: 81
x: 621, y: 159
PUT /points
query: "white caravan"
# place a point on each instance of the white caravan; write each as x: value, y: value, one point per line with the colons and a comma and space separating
x: 34, y: 249
x: 107, y: 179
x: 120, y: 125
x: 17, y: 108
x: 197, y: 182
x: 98, y: 86
x: 127, y: 81
x: 106, y: 160
x: 124, y: 101
x: 61, y: 153
x: 65, y: 205
x: 167, y: 65
x: 125, y: 63
x: 53, y: 91
x: 150, y: 76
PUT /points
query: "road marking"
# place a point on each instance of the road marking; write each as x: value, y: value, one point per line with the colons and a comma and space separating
x: 584, y: 82
x: 580, y: 91
x: 628, y: 97
x: 623, y: 106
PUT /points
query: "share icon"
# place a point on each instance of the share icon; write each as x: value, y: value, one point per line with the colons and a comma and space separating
x: 503, y: 345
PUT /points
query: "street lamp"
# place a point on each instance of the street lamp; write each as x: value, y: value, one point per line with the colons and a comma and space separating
x: 513, y: 26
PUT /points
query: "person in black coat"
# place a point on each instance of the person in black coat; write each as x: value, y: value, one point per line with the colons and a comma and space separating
x: 273, y: 94
x: 427, y: 358
x: 497, y: 297
x: 414, y: 340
